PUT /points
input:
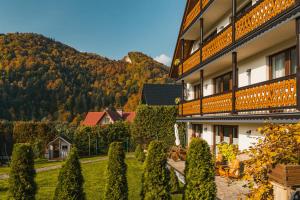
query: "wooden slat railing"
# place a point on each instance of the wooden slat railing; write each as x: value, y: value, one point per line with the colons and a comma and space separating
x: 191, y: 62
x: 275, y: 94
x: 218, y: 43
x: 279, y: 94
x: 192, y: 15
x: 259, y: 14
x: 190, y: 108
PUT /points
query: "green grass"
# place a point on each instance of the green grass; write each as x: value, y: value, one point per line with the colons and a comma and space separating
x: 94, y: 176
x: 40, y: 163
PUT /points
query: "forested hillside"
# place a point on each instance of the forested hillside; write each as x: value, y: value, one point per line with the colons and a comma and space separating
x: 42, y: 79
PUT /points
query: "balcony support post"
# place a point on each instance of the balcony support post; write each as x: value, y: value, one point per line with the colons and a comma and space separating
x: 298, y: 62
x: 201, y: 91
x: 201, y: 5
x: 234, y: 80
x: 182, y: 55
x: 233, y: 19
x: 201, y: 38
x: 182, y: 97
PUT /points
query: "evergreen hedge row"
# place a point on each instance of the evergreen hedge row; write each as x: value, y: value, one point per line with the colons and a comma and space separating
x: 199, y: 172
x: 21, y: 177
x: 116, y: 186
x: 155, y: 178
x: 70, y: 179
x: 156, y: 123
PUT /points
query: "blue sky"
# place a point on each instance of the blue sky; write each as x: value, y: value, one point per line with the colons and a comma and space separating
x: 110, y: 28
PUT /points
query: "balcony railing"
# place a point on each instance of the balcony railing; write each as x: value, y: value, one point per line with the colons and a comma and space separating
x: 262, y: 12
x: 275, y: 94
x: 190, y: 63
x: 217, y: 43
x: 190, y: 108
x: 194, y: 13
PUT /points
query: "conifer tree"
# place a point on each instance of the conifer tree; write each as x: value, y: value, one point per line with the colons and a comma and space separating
x: 155, y: 179
x: 174, y: 183
x: 22, y: 173
x: 70, y: 179
x: 199, y: 172
x: 116, y: 186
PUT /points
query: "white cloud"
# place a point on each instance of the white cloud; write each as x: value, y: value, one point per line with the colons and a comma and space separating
x: 164, y: 59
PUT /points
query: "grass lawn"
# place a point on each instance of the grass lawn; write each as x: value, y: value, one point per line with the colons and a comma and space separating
x: 94, y: 176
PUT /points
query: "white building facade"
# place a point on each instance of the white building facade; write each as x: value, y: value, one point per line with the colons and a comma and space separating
x: 238, y: 62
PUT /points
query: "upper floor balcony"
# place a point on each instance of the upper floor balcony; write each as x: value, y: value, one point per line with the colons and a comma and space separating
x: 276, y: 94
x: 254, y: 19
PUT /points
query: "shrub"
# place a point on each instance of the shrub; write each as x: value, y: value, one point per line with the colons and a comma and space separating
x: 139, y: 153
x: 155, y: 179
x: 199, y: 172
x: 280, y: 145
x: 22, y: 173
x: 228, y: 151
x: 116, y: 187
x: 6, y: 140
x: 174, y: 183
x: 70, y: 179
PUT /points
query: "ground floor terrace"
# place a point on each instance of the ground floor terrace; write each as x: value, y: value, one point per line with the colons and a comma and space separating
x: 241, y: 130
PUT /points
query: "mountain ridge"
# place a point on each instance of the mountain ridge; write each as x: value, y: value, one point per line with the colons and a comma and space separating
x: 44, y: 79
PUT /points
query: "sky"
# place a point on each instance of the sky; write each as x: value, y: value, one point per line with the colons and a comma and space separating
x: 110, y: 28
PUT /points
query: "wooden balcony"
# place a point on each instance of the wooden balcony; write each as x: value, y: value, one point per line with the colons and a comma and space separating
x: 192, y: 15
x: 270, y: 95
x: 261, y: 13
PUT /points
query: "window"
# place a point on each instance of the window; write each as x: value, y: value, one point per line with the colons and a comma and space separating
x: 197, y: 130
x: 197, y: 90
x: 244, y: 9
x: 283, y: 63
x: 223, y: 83
x: 211, y: 35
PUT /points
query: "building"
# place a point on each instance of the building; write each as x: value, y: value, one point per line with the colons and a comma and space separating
x: 238, y: 62
x: 59, y: 148
x: 107, y: 117
x: 160, y: 94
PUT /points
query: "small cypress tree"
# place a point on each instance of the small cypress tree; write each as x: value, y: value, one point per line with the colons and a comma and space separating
x: 156, y: 179
x: 116, y: 186
x: 22, y: 173
x: 174, y: 183
x: 70, y: 179
x: 137, y: 151
x: 199, y: 172
x: 142, y: 156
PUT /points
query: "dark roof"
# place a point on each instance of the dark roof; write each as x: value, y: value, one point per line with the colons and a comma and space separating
x: 160, y: 94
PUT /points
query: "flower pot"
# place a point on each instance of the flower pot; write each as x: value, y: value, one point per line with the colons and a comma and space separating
x: 286, y: 175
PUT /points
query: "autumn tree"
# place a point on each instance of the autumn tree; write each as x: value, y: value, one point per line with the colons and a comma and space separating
x: 280, y: 144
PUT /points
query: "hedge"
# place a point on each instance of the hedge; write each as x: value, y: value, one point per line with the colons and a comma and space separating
x: 156, y: 123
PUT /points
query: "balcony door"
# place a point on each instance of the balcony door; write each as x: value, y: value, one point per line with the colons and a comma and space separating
x: 227, y: 134
x: 223, y: 83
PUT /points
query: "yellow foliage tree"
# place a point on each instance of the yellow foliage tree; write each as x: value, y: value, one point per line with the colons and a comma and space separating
x: 280, y: 145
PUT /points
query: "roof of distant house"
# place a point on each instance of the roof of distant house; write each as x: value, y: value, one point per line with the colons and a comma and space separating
x: 93, y: 118
x: 160, y: 94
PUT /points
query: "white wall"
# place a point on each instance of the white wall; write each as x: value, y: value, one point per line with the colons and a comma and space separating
x: 259, y: 64
x: 246, y: 140
x: 208, y: 134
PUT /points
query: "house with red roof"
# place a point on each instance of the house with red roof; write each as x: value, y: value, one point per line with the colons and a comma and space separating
x: 107, y: 117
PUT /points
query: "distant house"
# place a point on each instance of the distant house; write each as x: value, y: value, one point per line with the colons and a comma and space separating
x: 160, y: 94
x: 107, y: 117
x: 59, y: 148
